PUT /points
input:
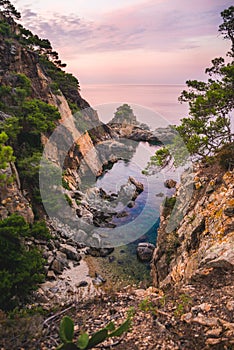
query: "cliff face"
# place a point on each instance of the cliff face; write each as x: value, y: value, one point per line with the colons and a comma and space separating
x: 48, y: 84
x: 202, y: 246
x: 12, y: 198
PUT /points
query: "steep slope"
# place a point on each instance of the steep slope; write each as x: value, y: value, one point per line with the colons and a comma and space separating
x: 32, y: 79
x: 202, y: 244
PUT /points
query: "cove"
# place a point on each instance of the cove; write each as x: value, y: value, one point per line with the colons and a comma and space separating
x: 123, y: 261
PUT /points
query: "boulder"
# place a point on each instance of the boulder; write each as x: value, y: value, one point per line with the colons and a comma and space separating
x: 100, y: 252
x: 145, y: 251
x: 82, y: 284
x: 80, y: 236
x: 59, y: 263
x: 229, y: 210
x: 51, y: 275
x: 170, y: 183
x: 71, y: 252
x: 139, y: 186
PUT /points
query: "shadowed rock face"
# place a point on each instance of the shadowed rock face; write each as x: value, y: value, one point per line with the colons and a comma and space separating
x: 12, y: 199
x: 203, y: 242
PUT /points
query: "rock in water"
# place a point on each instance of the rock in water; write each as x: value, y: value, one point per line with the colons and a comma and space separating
x: 145, y: 251
x: 170, y: 183
x: 139, y: 186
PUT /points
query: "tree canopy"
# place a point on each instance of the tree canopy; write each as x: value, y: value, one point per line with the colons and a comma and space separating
x: 208, y: 127
x: 211, y: 103
x: 21, y: 269
x: 8, y: 9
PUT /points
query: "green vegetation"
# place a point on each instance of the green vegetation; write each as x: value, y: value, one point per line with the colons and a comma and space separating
x: 211, y: 103
x: 160, y: 159
x: 8, y: 10
x: 29, y: 119
x: 124, y: 114
x: 68, y: 199
x: 6, y: 156
x: 225, y: 156
x: 168, y: 205
x: 208, y: 128
x: 4, y: 28
x: 85, y: 341
x: 21, y: 269
x: 147, y: 306
x: 182, y: 306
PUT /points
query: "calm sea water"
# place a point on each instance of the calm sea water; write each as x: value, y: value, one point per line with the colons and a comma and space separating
x: 156, y: 105
x: 160, y: 99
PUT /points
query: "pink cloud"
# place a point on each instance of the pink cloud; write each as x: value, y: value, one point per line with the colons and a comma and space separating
x: 156, y: 40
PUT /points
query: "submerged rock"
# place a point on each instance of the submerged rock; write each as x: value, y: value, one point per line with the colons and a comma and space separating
x: 145, y: 251
x: 170, y: 183
x: 99, y: 252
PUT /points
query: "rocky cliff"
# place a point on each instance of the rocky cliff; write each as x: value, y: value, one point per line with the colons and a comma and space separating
x: 202, y: 245
x: 22, y: 59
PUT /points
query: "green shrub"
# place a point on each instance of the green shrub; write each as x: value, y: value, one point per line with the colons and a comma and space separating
x: 68, y: 199
x: 21, y: 269
x: 168, y: 205
x: 65, y: 184
x: 4, y: 28
x: 226, y: 156
x: 39, y: 230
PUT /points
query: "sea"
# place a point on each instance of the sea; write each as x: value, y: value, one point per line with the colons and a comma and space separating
x: 150, y: 103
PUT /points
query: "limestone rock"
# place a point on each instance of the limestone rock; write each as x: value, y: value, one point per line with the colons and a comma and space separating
x: 203, y: 241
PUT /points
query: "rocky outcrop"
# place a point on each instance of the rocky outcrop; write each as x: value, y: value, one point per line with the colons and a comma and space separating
x: 12, y: 198
x: 135, y: 133
x: 202, y: 245
x: 165, y: 135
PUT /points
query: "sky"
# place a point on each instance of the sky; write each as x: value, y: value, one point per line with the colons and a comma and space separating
x: 130, y: 41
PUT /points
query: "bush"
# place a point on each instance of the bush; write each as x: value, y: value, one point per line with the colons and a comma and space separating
x: 4, y: 28
x: 20, y: 270
x: 39, y: 230
x: 226, y: 156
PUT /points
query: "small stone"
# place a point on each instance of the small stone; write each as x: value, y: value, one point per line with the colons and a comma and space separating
x: 206, y: 321
x: 213, y: 341
x: 82, y: 284
x: 229, y: 211
x: 198, y: 185
x: 230, y: 305
x: 131, y: 204
x: 51, y: 275
x: 203, y: 307
x: 187, y: 317
x: 214, y: 332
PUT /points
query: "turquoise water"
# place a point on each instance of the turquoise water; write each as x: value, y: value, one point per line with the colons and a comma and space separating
x: 145, y: 212
x: 146, y: 209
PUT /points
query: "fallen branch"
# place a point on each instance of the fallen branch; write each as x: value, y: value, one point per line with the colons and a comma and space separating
x: 57, y: 315
x: 163, y: 313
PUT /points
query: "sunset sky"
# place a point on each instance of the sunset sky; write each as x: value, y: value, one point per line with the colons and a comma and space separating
x: 130, y: 41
